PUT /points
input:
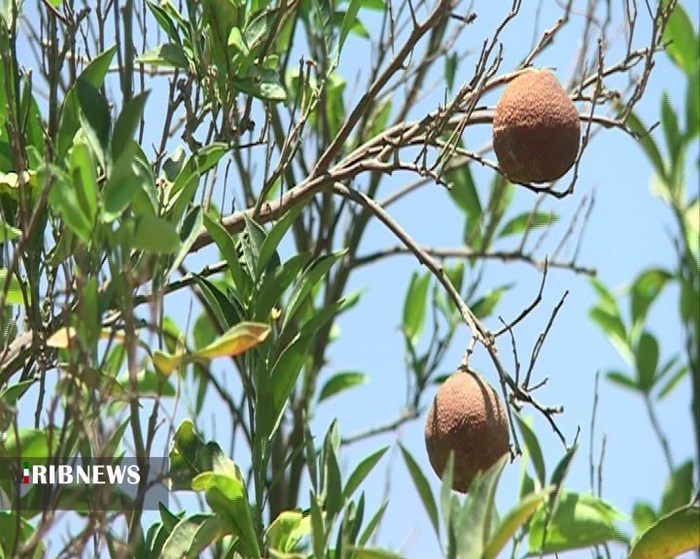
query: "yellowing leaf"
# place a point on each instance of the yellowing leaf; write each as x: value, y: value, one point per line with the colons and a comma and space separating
x: 62, y: 338
x: 238, y: 339
x: 670, y: 536
x: 166, y: 363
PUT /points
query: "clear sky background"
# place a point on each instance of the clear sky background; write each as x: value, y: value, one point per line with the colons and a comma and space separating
x: 629, y: 229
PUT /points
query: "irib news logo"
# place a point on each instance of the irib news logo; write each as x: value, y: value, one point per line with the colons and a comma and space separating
x: 83, y: 483
x: 68, y: 474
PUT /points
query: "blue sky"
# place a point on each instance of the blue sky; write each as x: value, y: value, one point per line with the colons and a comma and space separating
x: 628, y: 230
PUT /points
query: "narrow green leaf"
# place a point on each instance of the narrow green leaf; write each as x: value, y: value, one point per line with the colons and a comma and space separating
x: 340, y: 382
x: 485, y: 305
x: 615, y: 330
x: 93, y: 74
x: 526, y: 221
x: 622, y: 380
x: 361, y: 471
x: 368, y: 532
x: 274, y: 237
x: 127, y: 124
x: 683, y: 44
x: 227, y: 247
x: 669, y: 124
x: 423, y: 487
x: 415, y: 305
x: 84, y: 182
x: 476, y: 520
x: 647, y: 286
x: 167, y: 55
x: 649, y: 146
x: 647, y: 359
x: 348, y: 21
x: 164, y: 21
x: 311, y: 277
x: 533, y: 447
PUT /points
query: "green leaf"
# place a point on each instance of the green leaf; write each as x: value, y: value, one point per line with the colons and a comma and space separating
x: 645, y: 289
x: 649, y: 146
x: 559, y: 475
x: 614, y: 328
x: 368, y: 532
x: 167, y: 55
x: 533, y: 447
x: 692, y: 105
x: 678, y: 489
x: 671, y: 535
x: 622, y: 380
x: 423, y: 487
x: 286, y: 530
x: 127, y: 124
x: 95, y: 120
x: 64, y: 198
x: 227, y: 497
x: 192, y: 227
x: 192, y: 535
x: 275, y: 285
x: 274, y: 237
x: 683, y: 49
x: 283, y: 377
x: 647, y: 359
x: 526, y: 221
x: 262, y: 83
x: 84, y: 180
x: 93, y: 74
x: 348, y: 21
x: 672, y: 132
x: 13, y: 294
x: 484, y: 306
x: 672, y: 382
x: 341, y: 381
x: 414, y: 306
x: 227, y: 247
x: 361, y: 471
x: 128, y: 181
x: 164, y: 21
x: 463, y: 190
x: 236, y: 40
x: 580, y: 520
x: 451, y: 61
x: 478, y: 516
x: 155, y: 234
x: 190, y: 456
x: 312, y: 276
x: 513, y: 520
x: 643, y: 516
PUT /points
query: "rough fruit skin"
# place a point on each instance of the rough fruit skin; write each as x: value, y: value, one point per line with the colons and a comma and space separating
x: 466, y: 416
x: 536, y: 129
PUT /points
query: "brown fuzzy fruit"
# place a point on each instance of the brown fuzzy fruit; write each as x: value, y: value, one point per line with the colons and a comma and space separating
x: 466, y: 417
x: 536, y: 130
